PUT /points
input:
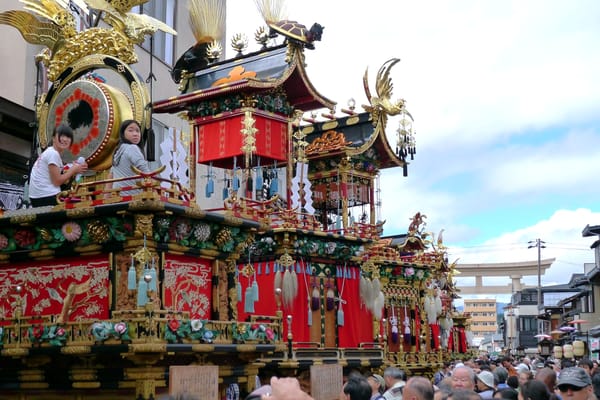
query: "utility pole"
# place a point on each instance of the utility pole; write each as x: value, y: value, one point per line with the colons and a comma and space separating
x: 540, y: 245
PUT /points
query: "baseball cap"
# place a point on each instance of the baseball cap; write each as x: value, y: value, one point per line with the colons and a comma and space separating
x: 487, y: 378
x: 574, y: 376
x: 379, y: 380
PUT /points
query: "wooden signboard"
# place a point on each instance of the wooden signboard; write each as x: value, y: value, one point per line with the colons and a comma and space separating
x: 326, y: 381
x: 201, y: 381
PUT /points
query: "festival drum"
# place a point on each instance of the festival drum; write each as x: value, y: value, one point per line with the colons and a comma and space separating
x: 94, y: 111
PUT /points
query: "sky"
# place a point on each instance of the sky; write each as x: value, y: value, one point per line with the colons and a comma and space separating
x: 505, y: 97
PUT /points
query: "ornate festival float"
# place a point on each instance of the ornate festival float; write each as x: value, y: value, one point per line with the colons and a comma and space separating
x: 115, y: 295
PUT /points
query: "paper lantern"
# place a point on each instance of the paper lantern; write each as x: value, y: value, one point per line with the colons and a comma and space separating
x: 578, y: 348
x: 568, y: 351
x: 221, y: 138
x: 558, y: 352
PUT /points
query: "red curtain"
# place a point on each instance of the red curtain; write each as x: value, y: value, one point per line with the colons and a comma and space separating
x: 267, y: 304
x: 358, y: 321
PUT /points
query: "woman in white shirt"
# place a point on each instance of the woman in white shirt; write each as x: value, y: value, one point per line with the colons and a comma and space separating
x: 47, y: 173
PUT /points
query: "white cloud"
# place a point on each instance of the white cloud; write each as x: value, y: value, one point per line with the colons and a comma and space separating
x: 564, y: 242
x: 505, y: 98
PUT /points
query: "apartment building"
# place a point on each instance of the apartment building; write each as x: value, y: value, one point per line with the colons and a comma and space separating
x: 483, y: 316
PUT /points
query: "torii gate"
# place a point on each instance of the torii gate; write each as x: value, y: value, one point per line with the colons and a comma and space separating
x: 513, y: 270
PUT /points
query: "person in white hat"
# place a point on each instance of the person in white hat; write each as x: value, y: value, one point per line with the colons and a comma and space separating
x: 377, y: 384
x: 485, y: 384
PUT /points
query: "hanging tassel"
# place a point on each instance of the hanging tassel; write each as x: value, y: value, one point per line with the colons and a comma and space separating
x: 277, y: 282
x: 238, y: 285
x: 378, y: 306
x: 235, y: 184
x: 142, y: 295
x: 363, y: 290
x: 288, y: 287
x: 259, y: 177
x: 249, y: 301
x: 315, y: 299
x: 152, y: 272
x: 267, y: 271
x: 249, y: 186
x: 330, y: 299
x: 310, y: 311
x: 375, y: 291
x: 294, y: 279
x: 438, y: 302
x: 274, y: 186
x: 209, y: 188
x: 255, y: 289
x: 226, y: 190
x: 394, y: 322
x: 340, y: 315
x: 406, y: 328
x: 131, y: 276
x: 210, y: 184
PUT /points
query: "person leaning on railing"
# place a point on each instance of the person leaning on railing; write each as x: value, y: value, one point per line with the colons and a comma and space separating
x: 128, y: 154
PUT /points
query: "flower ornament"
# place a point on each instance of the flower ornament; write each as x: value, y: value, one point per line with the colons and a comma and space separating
x: 120, y: 328
x: 409, y: 272
x: 173, y: 325
x: 201, y: 232
x: 196, y: 325
x: 121, y: 331
x: 270, y: 334
x: 56, y: 335
x: 24, y: 238
x: 36, y: 332
x: 330, y: 247
x: 208, y: 336
x: 100, y: 330
x: 71, y: 231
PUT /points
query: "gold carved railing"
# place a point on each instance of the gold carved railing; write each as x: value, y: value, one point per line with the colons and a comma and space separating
x: 134, y: 326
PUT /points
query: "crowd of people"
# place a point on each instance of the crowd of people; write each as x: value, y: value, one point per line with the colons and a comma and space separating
x: 479, y: 379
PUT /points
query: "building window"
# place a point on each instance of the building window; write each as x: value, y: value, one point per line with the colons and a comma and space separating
x: 163, y: 10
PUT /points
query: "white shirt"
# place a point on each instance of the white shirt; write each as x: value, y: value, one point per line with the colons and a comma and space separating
x: 40, y: 184
x: 395, y: 392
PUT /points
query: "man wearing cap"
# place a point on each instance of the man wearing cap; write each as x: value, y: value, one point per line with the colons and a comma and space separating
x: 377, y: 384
x: 575, y: 384
x: 485, y: 384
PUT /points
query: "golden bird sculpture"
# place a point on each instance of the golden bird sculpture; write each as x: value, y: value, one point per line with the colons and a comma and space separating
x: 47, y: 23
x: 382, y: 105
